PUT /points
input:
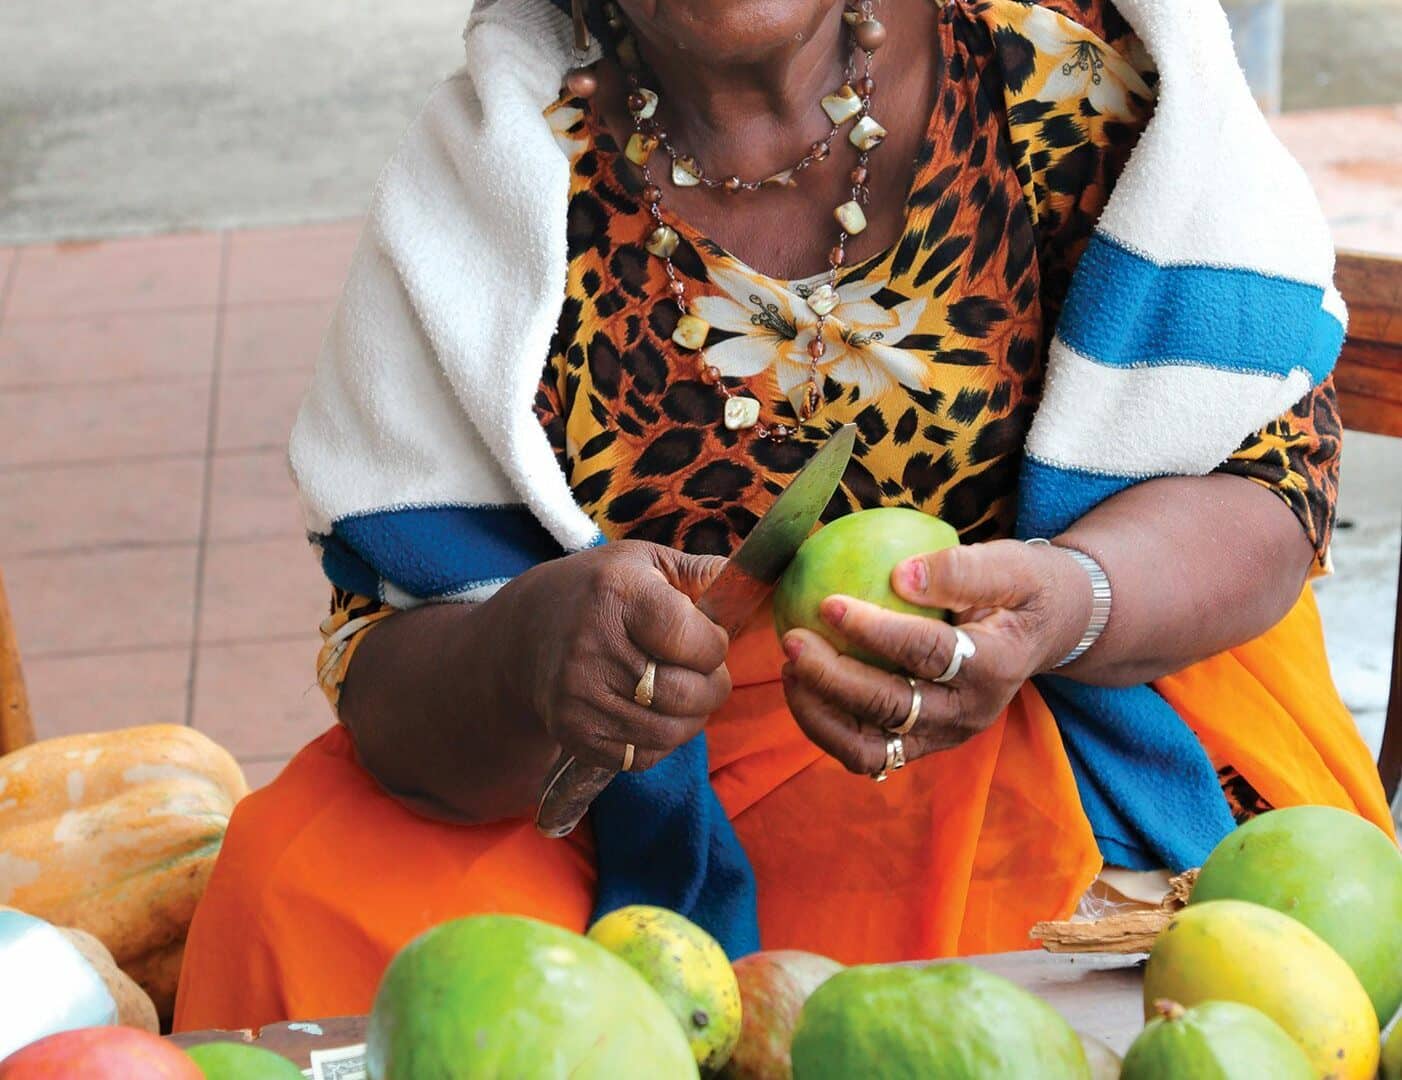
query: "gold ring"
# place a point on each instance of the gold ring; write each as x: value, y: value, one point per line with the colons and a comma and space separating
x: 628, y: 750
x: 917, y: 699
x: 647, y: 685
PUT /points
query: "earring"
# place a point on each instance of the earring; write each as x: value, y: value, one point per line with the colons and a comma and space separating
x: 581, y: 80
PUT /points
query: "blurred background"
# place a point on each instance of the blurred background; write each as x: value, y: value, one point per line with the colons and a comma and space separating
x: 180, y: 188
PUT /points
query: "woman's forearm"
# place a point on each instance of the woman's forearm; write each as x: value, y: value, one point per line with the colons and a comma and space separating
x: 1196, y: 565
x: 435, y: 723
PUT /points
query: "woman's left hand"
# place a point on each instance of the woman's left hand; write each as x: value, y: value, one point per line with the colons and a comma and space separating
x: 1024, y: 608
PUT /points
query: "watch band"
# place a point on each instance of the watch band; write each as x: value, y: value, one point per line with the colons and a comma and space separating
x: 1100, y: 599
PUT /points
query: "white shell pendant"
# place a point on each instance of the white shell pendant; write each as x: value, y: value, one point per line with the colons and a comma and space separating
x: 649, y: 103
x: 849, y: 215
x: 867, y: 134
x: 823, y: 299
x: 741, y: 412
x: 842, y: 105
x: 685, y: 173
x: 781, y: 179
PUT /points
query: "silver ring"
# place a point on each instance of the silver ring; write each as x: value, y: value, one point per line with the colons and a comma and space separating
x: 647, y: 686
x: 964, y: 649
x: 895, y: 758
x: 917, y: 699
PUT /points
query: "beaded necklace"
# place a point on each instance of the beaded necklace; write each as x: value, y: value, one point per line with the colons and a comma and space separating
x: 851, y: 101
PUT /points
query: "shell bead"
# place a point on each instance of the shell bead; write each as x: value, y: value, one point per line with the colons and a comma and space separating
x: 842, y: 104
x: 823, y: 300
x: 741, y: 412
x: 685, y: 172
x: 867, y: 134
x: 849, y: 215
x: 691, y: 332
x: 640, y: 147
x: 662, y: 241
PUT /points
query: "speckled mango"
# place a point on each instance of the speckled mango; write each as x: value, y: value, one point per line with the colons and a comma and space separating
x: 688, y: 969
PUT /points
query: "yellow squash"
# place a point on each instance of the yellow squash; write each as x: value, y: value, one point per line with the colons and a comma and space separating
x: 116, y: 834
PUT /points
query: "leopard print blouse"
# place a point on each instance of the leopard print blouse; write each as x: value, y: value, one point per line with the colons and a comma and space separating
x: 935, y: 350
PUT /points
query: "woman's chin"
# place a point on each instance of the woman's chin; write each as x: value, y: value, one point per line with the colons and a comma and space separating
x: 729, y: 30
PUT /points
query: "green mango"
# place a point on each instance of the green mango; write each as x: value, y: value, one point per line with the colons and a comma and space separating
x: 498, y: 996
x: 239, y: 1061
x: 1217, y: 1040
x: 950, y: 1021
x: 1392, y: 1055
x: 1335, y: 872
x: 855, y: 555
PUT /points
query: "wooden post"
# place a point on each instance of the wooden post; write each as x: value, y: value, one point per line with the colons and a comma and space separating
x: 16, y: 725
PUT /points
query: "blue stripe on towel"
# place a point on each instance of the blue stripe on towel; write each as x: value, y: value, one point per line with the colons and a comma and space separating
x: 436, y: 551
x: 1126, y: 310
x: 1050, y: 497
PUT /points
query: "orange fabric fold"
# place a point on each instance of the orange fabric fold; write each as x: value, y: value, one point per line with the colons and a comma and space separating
x: 323, y: 876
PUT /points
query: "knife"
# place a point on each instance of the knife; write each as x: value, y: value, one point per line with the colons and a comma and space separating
x: 729, y: 601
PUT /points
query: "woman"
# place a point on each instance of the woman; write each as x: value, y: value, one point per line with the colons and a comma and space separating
x: 628, y: 311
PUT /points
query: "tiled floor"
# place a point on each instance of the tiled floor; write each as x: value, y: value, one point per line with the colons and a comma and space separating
x: 150, y: 539
x: 148, y: 532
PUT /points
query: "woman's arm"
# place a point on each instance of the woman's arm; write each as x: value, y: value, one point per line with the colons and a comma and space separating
x: 1196, y: 565
x: 459, y: 711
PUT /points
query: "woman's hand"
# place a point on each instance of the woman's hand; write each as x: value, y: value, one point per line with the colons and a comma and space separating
x: 584, y: 629
x: 1024, y: 607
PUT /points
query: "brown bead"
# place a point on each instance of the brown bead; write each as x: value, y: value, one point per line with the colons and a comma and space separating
x: 710, y: 375
x: 837, y: 256
x: 870, y: 34
x: 582, y: 82
x: 819, y: 151
x: 816, y: 348
x: 677, y: 288
x: 779, y: 432
x: 859, y: 176
x: 636, y: 102
x: 865, y: 86
x: 733, y: 184
x: 652, y: 194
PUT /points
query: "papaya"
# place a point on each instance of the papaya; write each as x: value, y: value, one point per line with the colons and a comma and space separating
x: 773, y: 988
x: 1335, y: 872
x: 501, y: 995
x: 240, y: 1061
x: 686, y: 967
x: 854, y: 556
x: 1229, y: 950
x: 951, y: 1021
x: 1216, y: 1040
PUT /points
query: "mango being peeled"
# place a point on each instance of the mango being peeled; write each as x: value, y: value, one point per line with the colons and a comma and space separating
x: 1228, y: 950
x: 951, y: 1021
x: 1335, y: 872
x: 688, y: 969
x: 1217, y: 1040
x: 854, y: 556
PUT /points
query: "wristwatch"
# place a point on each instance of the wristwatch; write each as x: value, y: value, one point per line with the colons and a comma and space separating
x: 1099, y: 600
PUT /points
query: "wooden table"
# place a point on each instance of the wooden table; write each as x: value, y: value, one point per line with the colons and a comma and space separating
x: 1098, y: 993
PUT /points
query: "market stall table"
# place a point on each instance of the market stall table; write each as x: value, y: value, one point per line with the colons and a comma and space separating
x: 1098, y: 993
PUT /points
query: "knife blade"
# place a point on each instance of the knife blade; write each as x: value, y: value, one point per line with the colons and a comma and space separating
x: 729, y: 601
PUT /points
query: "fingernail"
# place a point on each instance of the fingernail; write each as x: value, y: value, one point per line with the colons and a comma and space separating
x: 833, y: 610
x: 915, y: 574
x: 792, y: 647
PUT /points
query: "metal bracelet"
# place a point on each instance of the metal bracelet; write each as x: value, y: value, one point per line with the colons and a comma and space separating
x: 1100, y: 599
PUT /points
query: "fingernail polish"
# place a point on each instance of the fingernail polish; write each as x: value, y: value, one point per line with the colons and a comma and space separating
x: 833, y: 611
x: 915, y: 574
x: 792, y: 647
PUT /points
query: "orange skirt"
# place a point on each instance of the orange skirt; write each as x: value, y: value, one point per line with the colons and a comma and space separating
x: 323, y: 876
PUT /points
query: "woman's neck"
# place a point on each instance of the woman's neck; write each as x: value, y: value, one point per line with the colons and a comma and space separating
x: 749, y: 114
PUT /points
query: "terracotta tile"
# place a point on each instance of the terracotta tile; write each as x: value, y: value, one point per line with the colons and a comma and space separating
x: 251, y: 496
x: 260, y: 699
x: 304, y: 263
x: 103, y: 423
x: 105, y: 600
x: 278, y: 337
x: 138, y: 274
x: 262, y: 589
x: 86, y: 506
x: 256, y: 411
x: 261, y: 773
x: 74, y: 694
x: 99, y: 348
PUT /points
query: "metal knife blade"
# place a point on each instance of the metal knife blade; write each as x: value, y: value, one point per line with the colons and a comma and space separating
x: 729, y: 601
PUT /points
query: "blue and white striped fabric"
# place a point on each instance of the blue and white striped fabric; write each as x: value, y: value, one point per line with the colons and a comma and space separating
x: 1202, y: 309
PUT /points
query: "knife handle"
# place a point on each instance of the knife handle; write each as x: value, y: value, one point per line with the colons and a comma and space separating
x: 570, y: 791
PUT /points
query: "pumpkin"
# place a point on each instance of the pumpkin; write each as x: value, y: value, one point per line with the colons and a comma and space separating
x: 115, y: 834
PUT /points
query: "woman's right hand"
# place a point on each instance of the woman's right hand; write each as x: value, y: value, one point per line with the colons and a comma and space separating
x: 583, y: 629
